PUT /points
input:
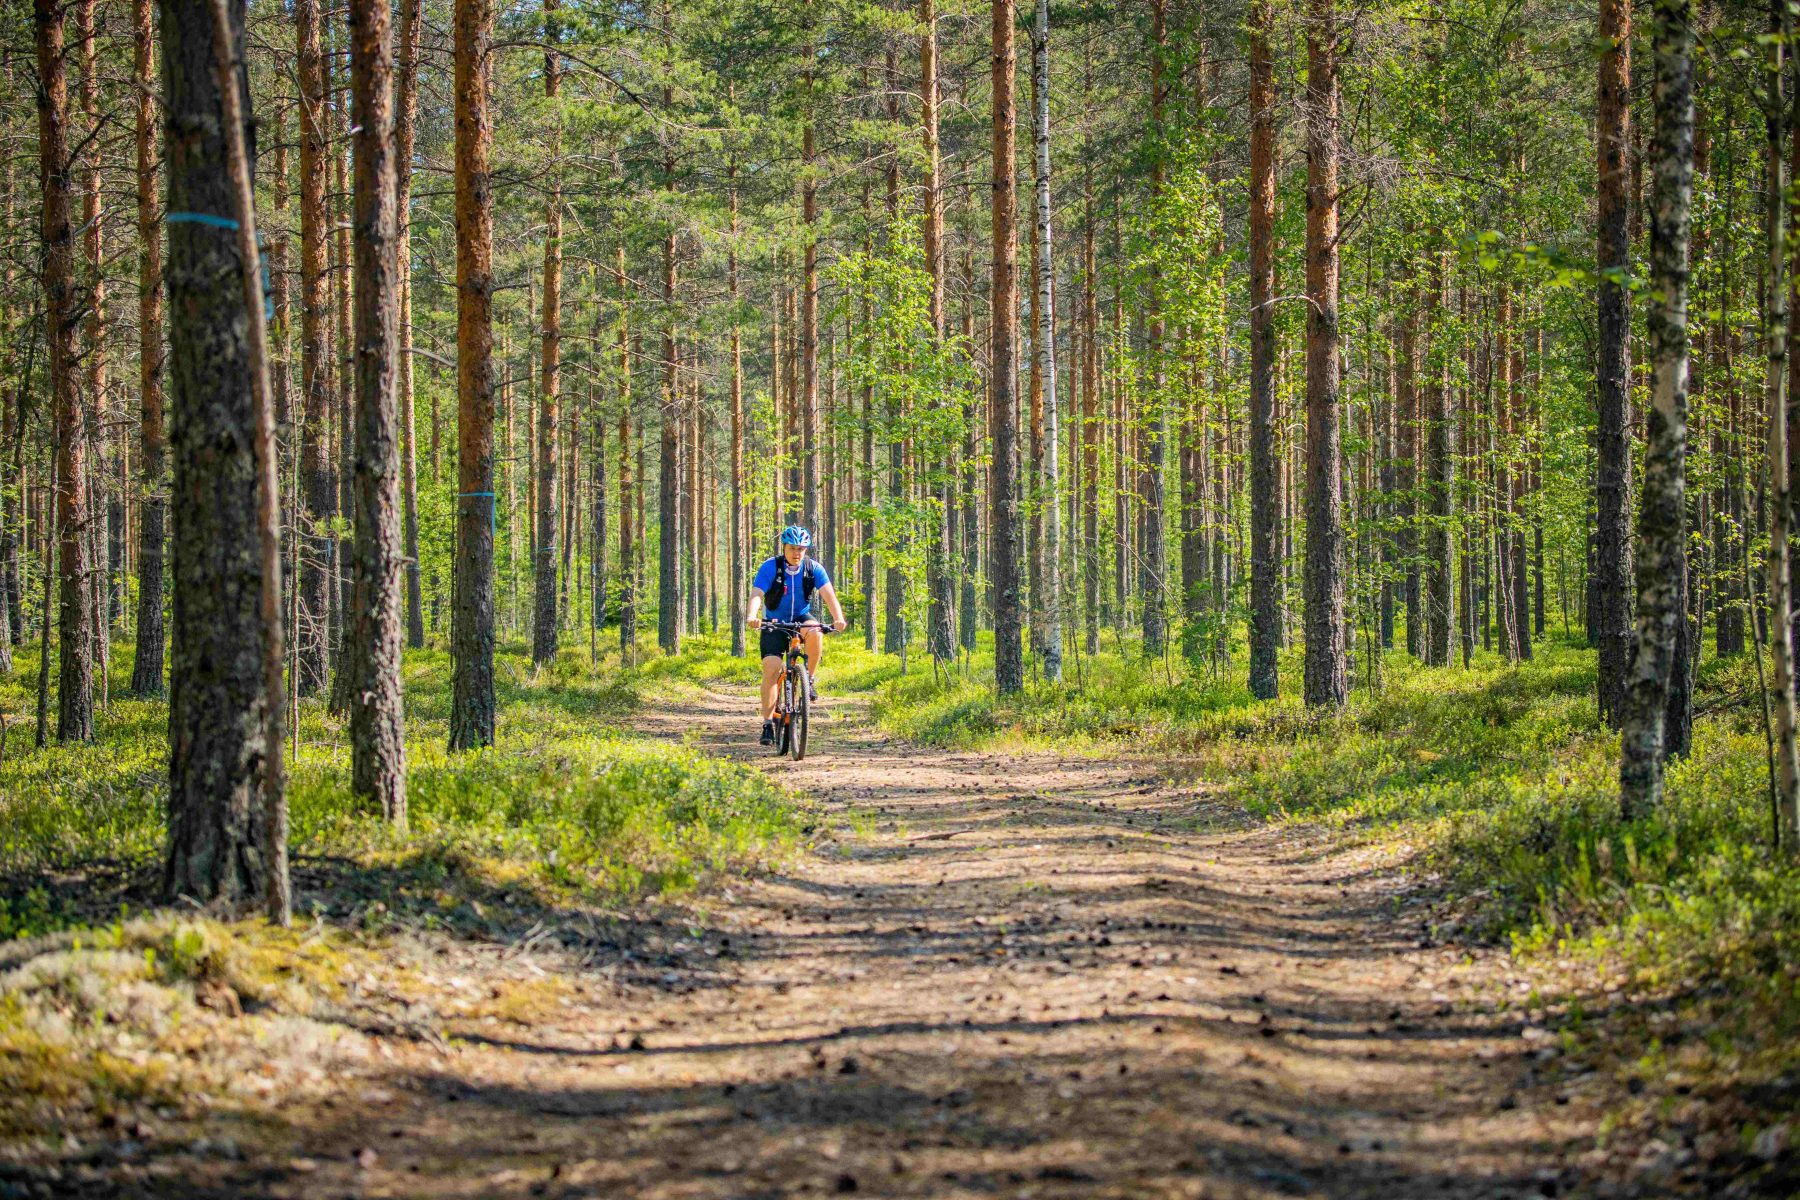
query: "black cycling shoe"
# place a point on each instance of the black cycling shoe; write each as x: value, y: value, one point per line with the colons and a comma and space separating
x: 768, y: 733
x: 812, y: 690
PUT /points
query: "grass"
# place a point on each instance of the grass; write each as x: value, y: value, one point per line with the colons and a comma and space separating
x: 566, y: 804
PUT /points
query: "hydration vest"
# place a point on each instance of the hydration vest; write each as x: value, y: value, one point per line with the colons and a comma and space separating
x: 773, y: 596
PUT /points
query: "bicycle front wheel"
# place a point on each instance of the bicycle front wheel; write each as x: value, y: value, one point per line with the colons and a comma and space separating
x: 801, y: 711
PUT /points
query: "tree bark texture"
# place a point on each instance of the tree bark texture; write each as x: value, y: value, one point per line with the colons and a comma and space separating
x: 62, y: 310
x: 1613, y: 516
x: 318, y: 478
x: 1326, y: 682
x: 1661, y: 549
x: 544, y: 537
x: 219, y: 746
x: 1009, y: 662
x: 472, y: 610
x: 377, y: 725
x: 147, y: 662
x: 1265, y: 502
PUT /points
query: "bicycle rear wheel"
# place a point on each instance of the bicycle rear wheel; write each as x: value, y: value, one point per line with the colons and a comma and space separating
x: 801, y: 711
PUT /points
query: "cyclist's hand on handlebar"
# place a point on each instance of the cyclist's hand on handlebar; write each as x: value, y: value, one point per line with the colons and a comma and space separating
x: 754, y: 622
x: 840, y: 625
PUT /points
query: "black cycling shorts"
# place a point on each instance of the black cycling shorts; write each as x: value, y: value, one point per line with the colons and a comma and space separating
x: 775, y: 642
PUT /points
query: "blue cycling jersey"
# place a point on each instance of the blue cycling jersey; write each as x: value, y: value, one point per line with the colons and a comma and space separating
x: 793, y: 604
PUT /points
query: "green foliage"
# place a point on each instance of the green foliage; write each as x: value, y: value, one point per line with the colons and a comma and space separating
x: 564, y: 803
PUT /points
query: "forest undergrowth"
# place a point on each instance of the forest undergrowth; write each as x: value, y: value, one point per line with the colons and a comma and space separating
x: 567, y: 804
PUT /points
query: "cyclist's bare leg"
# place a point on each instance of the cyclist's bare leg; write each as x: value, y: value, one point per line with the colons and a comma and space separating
x: 814, y: 639
x: 771, y: 684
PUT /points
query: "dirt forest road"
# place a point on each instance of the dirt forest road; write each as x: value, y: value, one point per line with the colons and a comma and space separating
x: 1019, y: 976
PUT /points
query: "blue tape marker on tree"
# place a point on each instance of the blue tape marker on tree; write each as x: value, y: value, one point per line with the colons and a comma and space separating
x: 262, y: 256
x: 493, y: 509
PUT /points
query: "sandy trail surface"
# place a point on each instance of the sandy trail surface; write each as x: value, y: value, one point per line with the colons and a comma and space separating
x: 999, y: 974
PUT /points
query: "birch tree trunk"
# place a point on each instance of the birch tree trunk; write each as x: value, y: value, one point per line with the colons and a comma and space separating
x: 1044, y: 346
x: 1780, y: 508
x: 1661, y: 549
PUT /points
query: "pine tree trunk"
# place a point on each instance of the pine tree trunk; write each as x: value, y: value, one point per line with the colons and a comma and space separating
x: 100, y: 486
x: 1153, y: 555
x: 405, y: 125
x: 472, y: 611
x: 1326, y: 682
x: 147, y: 664
x: 1439, y: 484
x: 62, y: 308
x: 543, y: 622
x: 220, y: 822
x: 374, y: 623
x: 1661, y: 549
x: 1612, y: 528
x: 668, y: 595
x: 319, y: 483
x: 1265, y: 546
x: 628, y: 527
x: 809, y: 332
x: 737, y: 434
x: 1009, y: 664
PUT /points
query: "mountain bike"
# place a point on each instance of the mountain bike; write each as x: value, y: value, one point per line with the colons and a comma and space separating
x: 793, y: 705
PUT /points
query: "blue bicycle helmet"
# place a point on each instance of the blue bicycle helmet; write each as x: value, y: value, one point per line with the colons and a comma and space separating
x: 795, y: 535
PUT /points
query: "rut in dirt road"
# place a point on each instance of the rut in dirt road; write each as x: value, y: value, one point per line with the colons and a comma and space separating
x: 1021, y: 975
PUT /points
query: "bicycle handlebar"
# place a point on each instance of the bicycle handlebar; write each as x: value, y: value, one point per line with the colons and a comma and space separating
x: 799, y: 625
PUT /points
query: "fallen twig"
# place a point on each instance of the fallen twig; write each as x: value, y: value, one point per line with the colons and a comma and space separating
x: 938, y: 837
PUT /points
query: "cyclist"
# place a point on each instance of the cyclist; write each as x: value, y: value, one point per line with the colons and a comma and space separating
x: 784, y: 589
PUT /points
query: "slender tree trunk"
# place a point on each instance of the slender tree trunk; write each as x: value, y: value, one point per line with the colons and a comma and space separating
x: 1326, y: 680
x: 226, y: 838
x: 147, y: 665
x: 543, y: 623
x: 628, y: 527
x: 1265, y: 502
x: 62, y: 308
x: 1044, y: 347
x: 1152, y: 562
x: 737, y: 433
x: 1776, y: 332
x: 374, y: 622
x: 1612, y: 528
x: 405, y: 125
x: 939, y: 632
x: 1009, y: 664
x: 809, y: 329
x: 318, y: 480
x: 668, y: 596
x: 472, y: 610
x: 1661, y: 519
x: 1440, y: 478
x: 101, y: 488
